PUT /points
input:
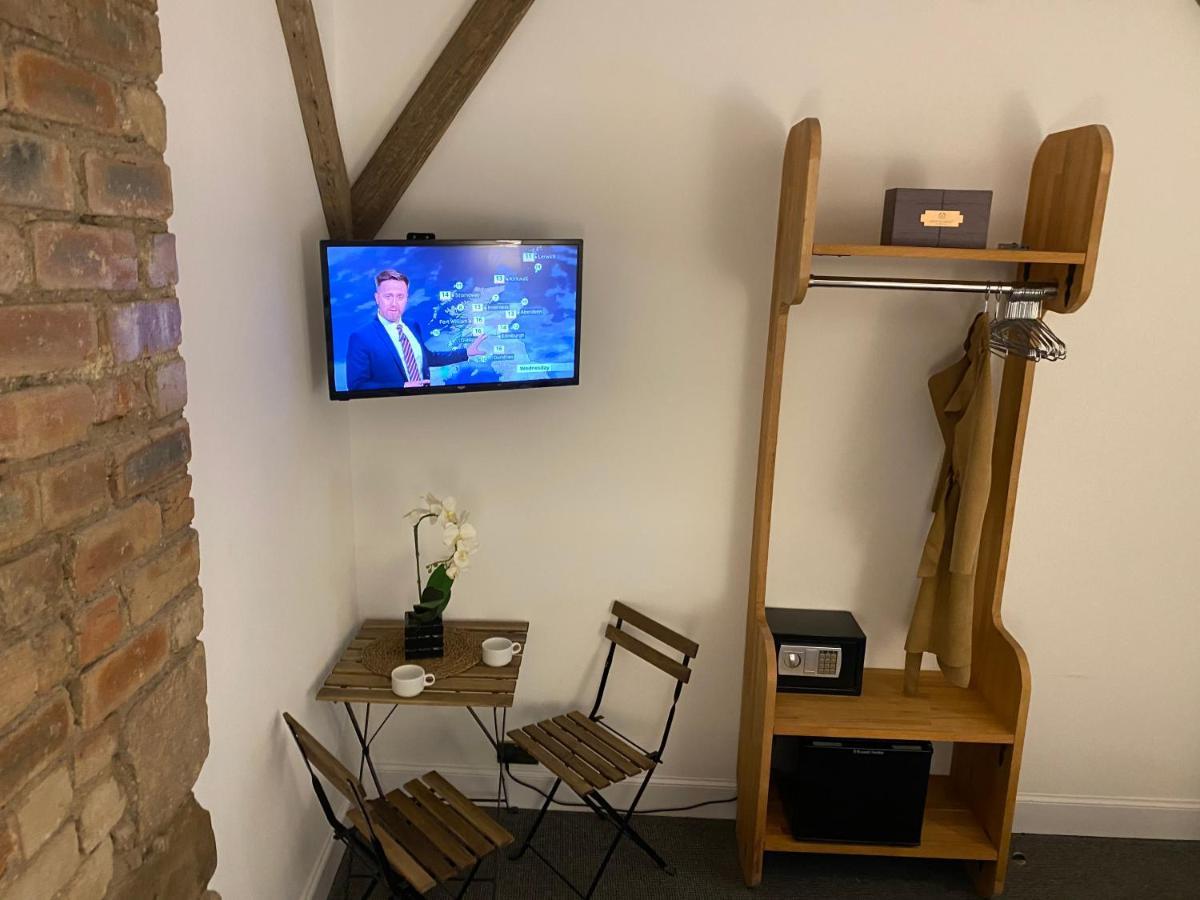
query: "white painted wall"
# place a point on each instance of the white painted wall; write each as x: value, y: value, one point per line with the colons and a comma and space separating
x: 655, y: 130
x: 271, y: 453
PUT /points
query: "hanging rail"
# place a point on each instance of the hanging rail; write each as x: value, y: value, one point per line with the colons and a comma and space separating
x: 1016, y: 291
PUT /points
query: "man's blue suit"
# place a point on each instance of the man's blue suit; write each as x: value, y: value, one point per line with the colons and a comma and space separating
x: 372, y: 360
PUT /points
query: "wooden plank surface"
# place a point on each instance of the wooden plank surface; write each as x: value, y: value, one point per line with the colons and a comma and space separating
x: 452, y: 820
x: 433, y: 106
x: 655, y: 629
x: 349, y: 681
x: 592, y: 776
x: 573, y: 780
x: 479, y: 819
x: 939, y: 712
x: 982, y: 254
x: 601, y: 748
x: 672, y: 667
x: 401, y: 860
x: 950, y: 831
x: 430, y: 826
x: 626, y: 749
x: 316, y: 111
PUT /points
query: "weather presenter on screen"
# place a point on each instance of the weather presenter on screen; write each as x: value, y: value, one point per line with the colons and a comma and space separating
x: 387, y: 352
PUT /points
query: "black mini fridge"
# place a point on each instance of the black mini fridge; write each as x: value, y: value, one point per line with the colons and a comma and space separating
x: 853, y: 791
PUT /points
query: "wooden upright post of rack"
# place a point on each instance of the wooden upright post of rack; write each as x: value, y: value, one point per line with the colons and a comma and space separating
x: 968, y: 813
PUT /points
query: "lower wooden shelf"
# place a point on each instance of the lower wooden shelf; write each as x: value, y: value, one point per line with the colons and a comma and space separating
x: 951, y: 831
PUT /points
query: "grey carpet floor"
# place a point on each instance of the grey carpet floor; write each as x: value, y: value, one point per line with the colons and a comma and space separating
x: 703, y: 852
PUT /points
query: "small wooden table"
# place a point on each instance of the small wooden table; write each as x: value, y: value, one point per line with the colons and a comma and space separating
x: 480, y: 686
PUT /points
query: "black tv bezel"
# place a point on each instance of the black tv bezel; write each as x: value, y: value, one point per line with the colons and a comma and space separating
x: 335, y: 394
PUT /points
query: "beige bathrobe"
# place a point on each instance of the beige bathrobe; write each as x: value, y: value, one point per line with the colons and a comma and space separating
x: 942, y: 618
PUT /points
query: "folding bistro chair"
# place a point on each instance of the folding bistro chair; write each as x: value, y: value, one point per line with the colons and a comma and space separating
x: 588, y: 754
x: 413, y: 841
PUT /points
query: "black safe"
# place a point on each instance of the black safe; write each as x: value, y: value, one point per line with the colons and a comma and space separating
x: 853, y: 791
x: 817, y: 651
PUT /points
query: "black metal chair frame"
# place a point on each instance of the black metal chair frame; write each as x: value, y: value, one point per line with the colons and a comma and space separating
x: 372, y: 853
x: 595, y: 800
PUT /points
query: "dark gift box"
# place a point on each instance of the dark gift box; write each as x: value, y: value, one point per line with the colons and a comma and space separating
x: 917, y: 217
x: 423, y: 641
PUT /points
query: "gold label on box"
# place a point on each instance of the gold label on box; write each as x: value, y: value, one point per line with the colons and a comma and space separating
x: 942, y: 218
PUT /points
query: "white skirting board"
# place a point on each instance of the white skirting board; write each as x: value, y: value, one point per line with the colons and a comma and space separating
x: 1126, y: 817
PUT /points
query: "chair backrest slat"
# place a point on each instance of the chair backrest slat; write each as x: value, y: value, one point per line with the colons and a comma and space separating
x: 624, y: 639
x: 671, y: 638
x: 325, y: 762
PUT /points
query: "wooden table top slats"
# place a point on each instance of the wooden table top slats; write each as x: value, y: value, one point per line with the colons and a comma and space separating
x: 349, y: 681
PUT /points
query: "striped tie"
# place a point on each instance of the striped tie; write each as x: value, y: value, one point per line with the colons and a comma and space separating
x: 410, y: 358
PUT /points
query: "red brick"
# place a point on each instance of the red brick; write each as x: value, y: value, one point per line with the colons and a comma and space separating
x: 168, y: 388
x: 118, y: 397
x: 127, y: 186
x: 163, y: 267
x: 118, y: 34
x: 41, y: 420
x: 46, y: 338
x: 142, y: 465
x: 74, y: 490
x: 35, y: 171
x: 99, y: 626
x: 30, y: 584
x: 8, y: 846
x: 50, y: 18
x: 178, y: 508
x: 19, y: 515
x: 117, y: 677
x: 18, y: 681
x: 84, y: 257
x: 53, y: 646
x: 34, y: 743
x: 50, y: 88
x: 150, y: 587
x: 143, y: 329
x: 146, y: 117
x: 15, y: 269
x: 103, y: 549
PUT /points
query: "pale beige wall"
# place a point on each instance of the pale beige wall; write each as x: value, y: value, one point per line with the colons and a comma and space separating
x: 270, y: 458
x: 655, y: 130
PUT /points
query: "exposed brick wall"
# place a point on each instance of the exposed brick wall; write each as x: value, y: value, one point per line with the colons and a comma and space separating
x: 103, y: 723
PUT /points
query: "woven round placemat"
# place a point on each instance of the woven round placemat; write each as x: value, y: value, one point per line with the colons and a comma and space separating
x: 461, y: 653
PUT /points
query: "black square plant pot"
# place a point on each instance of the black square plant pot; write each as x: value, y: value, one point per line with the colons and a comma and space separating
x: 423, y: 641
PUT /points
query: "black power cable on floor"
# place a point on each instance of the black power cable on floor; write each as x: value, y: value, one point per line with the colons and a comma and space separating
x: 661, y: 809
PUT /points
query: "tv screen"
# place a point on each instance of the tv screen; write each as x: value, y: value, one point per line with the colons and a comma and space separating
x: 424, y: 317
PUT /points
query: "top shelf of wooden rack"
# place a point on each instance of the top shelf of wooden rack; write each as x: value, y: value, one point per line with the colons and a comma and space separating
x: 980, y: 255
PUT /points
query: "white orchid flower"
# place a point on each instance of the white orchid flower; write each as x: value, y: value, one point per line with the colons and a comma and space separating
x: 450, y: 535
x: 448, y: 511
x: 452, y: 571
x: 462, y: 559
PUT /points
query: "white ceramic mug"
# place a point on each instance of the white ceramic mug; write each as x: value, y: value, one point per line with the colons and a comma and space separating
x: 499, y: 651
x: 410, y: 680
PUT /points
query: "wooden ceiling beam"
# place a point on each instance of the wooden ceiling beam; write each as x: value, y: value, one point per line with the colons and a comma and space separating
x: 316, y: 109
x: 425, y: 118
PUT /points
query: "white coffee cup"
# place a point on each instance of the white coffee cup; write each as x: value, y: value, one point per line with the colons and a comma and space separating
x: 499, y: 651
x: 410, y: 680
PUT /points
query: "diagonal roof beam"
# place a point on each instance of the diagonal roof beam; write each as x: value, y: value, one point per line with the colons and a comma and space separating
x: 316, y: 109
x: 429, y: 112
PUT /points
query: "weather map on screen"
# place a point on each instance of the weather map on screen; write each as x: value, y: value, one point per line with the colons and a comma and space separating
x: 435, y: 316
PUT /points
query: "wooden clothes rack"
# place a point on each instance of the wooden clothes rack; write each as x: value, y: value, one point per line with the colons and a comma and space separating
x: 969, y: 812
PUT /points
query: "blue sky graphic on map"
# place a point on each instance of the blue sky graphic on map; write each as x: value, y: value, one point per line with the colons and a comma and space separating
x: 522, y: 297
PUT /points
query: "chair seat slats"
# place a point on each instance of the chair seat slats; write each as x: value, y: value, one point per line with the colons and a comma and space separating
x: 399, y: 858
x: 453, y: 822
x: 550, y: 761
x: 591, y: 757
x: 385, y: 817
x: 563, y: 752
x: 484, y: 823
x: 639, y: 759
x: 447, y: 844
x: 600, y: 747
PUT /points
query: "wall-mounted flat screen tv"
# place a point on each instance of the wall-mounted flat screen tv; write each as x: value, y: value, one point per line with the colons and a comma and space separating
x: 427, y: 317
